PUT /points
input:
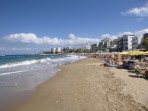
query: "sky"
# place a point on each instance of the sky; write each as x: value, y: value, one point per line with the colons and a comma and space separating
x: 31, y: 26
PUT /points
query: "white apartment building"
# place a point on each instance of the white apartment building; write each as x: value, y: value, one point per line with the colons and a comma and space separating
x: 106, y: 42
x: 86, y: 47
x: 136, y: 41
x: 53, y: 50
x: 56, y: 50
x: 127, y: 42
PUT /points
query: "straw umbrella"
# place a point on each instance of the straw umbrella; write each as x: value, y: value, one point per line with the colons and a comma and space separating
x: 122, y: 53
x: 135, y: 53
x: 145, y: 53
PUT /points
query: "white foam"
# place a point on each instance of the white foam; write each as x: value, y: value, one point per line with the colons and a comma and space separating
x: 32, y: 69
x: 51, y: 63
x: 58, y: 59
x: 7, y: 73
x: 69, y: 59
x: 44, y: 60
x: 24, y: 63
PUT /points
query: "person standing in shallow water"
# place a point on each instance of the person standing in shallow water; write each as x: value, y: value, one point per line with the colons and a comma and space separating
x: 78, y: 56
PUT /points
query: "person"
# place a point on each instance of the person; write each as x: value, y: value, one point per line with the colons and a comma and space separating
x: 104, y: 63
x: 108, y: 62
x: 78, y: 56
x: 135, y: 65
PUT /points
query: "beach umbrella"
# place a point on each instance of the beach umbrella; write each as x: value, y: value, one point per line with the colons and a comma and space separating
x: 122, y: 53
x: 145, y: 53
x: 135, y: 53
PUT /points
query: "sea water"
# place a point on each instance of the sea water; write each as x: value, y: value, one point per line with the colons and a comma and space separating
x: 21, y: 74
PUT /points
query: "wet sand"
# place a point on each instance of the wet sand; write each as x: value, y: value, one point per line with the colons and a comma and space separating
x: 87, y: 86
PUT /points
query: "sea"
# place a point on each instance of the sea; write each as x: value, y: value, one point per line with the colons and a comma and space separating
x: 21, y: 74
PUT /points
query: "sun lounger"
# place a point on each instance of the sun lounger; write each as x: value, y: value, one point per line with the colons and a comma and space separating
x: 139, y: 71
x: 146, y: 74
x: 109, y: 64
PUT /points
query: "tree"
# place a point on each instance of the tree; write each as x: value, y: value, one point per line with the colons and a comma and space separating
x: 46, y: 52
x: 145, y: 43
x: 86, y: 51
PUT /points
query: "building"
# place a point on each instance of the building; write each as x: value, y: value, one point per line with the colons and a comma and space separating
x: 125, y: 42
x: 105, y: 45
x: 53, y: 50
x: 85, y: 48
x: 56, y: 50
x: 120, y: 44
x: 145, y: 35
x: 106, y: 42
x: 94, y: 47
x: 136, y: 43
x: 114, y: 44
x: 66, y: 50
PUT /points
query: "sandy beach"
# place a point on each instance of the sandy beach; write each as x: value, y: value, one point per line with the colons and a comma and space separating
x: 87, y: 86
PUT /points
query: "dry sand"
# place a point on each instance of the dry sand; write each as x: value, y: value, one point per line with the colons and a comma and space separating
x: 86, y: 86
x: 136, y: 86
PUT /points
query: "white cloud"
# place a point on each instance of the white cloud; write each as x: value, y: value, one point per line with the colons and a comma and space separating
x: 125, y: 33
x: 32, y: 38
x: 109, y: 36
x: 137, y: 11
x: 115, y: 36
x: 138, y: 33
x: 72, y: 36
x: 71, y: 41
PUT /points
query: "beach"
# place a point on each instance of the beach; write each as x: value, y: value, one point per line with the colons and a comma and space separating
x: 86, y: 86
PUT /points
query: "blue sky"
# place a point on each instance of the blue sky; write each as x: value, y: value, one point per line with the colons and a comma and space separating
x: 29, y: 26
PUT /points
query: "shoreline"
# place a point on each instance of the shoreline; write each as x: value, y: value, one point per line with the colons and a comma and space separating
x: 18, y: 83
x: 82, y: 86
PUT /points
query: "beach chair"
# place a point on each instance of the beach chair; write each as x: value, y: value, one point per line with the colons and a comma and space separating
x: 139, y: 71
x: 146, y: 74
x: 109, y: 64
